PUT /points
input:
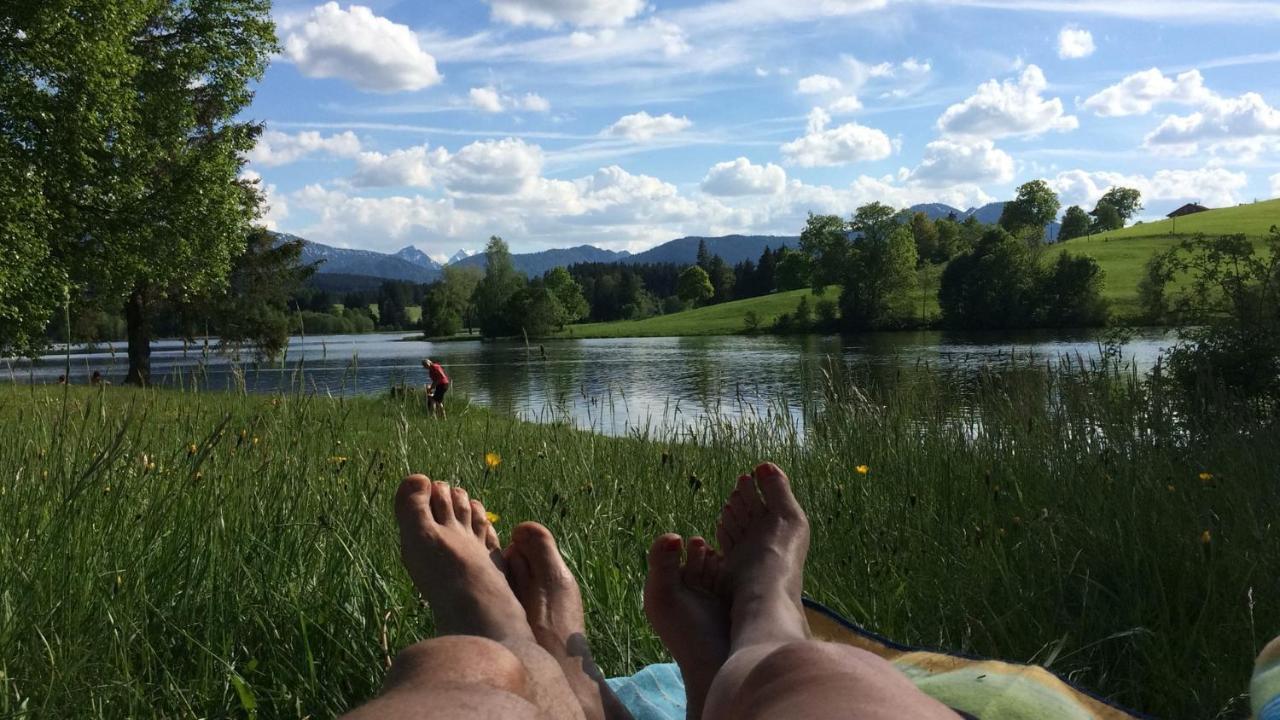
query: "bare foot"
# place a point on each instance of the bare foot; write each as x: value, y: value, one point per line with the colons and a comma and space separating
x: 690, y: 618
x: 452, y: 553
x: 553, y: 608
x: 764, y: 537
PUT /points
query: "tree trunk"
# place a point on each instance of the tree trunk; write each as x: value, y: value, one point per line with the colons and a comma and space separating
x: 139, y: 322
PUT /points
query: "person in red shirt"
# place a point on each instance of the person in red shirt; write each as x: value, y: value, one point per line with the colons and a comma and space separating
x: 439, y: 386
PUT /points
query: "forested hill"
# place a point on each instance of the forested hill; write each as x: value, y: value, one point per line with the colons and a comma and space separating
x: 535, y: 264
x: 732, y: 248
x: 340, y: 261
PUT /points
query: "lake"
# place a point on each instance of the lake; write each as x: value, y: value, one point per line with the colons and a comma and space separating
x: 613, y: 386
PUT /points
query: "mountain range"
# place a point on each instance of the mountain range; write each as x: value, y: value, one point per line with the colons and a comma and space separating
x: 358, y: 267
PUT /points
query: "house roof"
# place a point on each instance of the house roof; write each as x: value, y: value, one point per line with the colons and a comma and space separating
x: 1188, y: 209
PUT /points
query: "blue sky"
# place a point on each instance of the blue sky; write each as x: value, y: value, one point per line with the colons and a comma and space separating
x: 626, y: 123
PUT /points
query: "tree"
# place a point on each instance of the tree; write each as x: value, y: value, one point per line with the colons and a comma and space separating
x: 456, y: 295
x: 492, y: 296
x: 793, y: 271
x: 128, y: 119
x: 1075, y: 223
x: 1105, y: 218
x: 879, y: 269
x: 1031, y: 211
x: 991, y: 286
x: 534, y: 310
x: 721, y: 276
x: 1070, y: 294
x: 394, y: 299
x: 766, y: 280
x: 925, y: 233
x: 826, y: 241
x: 695, y: 287
x: 950, y: 243
x: 1126, y: 201
x: 568, y: 294
x: 704, y: 256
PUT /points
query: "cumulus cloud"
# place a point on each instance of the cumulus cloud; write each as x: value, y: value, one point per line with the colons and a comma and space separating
x: 947, y: 162
x: 370, y: 52
x: 488, y: 99
x: 643, y: 126
x: 1211, y: 186
x: 408, y: 167
x: 840, y: 145
x: 549, y: 13
x: 494, y: 167
x: 742, y: 177
x: 1008, y: 109
x: 276, y: 148
x: 274, y: 208
x: 845, y: 105
x: 1245, y: 125
x: 1075, y: 43
x: 1139, y: 93
x: 818, y: 85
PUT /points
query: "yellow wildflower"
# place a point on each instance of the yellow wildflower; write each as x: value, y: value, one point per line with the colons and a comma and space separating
x: 1205, y: 538
x: 862, y: 469
x: 338, y: 460
x: 492, y: 460
x: 44, y: 474
x: 191, y: 449
x: 255, y: 440
x: 493, y: 517
x: 1206, y: 476
x: 151, y: 467
x: 1172, y: 488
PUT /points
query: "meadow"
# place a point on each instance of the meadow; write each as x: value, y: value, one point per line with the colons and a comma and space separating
x: 180, y: 553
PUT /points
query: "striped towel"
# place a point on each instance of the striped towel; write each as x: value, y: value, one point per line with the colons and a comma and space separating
x: 1264, y: 689
x: 984, y: 689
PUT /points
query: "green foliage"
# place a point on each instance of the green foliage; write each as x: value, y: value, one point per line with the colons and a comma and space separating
x: 879, y: 273
x: 993, y: 286
x: 794, y: 271
x: 1106, y: 218
x: 254, y: 307
x: 694, y: 286
x: 750, y: 321
x: 825, y: 240
x: 1228, y: 302
x: 1070, y: 294
x: 449, y: 304
x: 568, y: 294
x: 1127, y: 202
x: 493, y: 294
x: 1035, y: 206
x: 534, y: 311
x: 1075, y: 223
x: 925, y: 233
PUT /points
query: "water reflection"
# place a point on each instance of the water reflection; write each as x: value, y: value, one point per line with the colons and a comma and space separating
x: 612, y: 386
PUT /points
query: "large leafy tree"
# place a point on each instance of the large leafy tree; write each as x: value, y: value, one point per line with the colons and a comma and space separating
x: 694, y: 286
x: 992, y: 286
x: 126, y: 115
x: 1035, y: 206
x: 879, y: 268
x: 1126, y: 201
x: 568, y: 294
x: 493, y: 294
x: 1075, y: 223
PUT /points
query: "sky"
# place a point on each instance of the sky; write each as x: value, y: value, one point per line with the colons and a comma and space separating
x: 627, y: 123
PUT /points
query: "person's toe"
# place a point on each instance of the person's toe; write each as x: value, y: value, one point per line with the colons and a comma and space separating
x: 413, y: 511
x: 664, y: 562
x: 478, y: 519
x: 441, y: 503
x: 710, y: 572
x: 696, y: 557
x: 776, y: 489
x: 538, y: 546
x: 754, y: 506
x: 462, y: 506
x: 519, y: 574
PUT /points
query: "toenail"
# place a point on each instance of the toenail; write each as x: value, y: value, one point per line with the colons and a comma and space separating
x: 671, y: 544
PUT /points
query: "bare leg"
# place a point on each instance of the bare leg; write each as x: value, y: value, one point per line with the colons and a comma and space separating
x: 488, y: 665
x: 774, y: 670
x: 681, y: 603
x: 553, y: 607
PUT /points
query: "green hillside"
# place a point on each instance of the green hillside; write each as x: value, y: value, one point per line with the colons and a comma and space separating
x: 724, y: 319
x: 1123, y: 254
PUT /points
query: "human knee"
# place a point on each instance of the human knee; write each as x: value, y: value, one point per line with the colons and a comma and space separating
x: 459, y: 660
x: 802, y: 661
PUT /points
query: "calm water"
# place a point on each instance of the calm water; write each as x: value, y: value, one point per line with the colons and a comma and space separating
x: 611, y: 386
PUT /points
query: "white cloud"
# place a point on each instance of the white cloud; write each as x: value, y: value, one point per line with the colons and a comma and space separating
x: 761, y: 72
x: 1075, y: 43
x: 368, y: 51
x: 818, y: 85
x: 1244, y: 125
x: 643, y: 126
x: 1008, y: 109
x: 1215, y: 187
x: 1275, y: 185
x: 741, y: 177
x: 845, y: 105
x: 409, y: 167
x: 947, y: 162
x: 549, y: 13
x: 276, y: 148
x: 533, y: 102
x: 849, y: 143
x: 383, y: 223
x: 1142, y: 91
x: 494, y: 167
x: 486, y: 99
x: 275, y: 209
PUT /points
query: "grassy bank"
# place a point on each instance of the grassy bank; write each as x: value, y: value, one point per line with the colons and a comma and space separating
x: 723, y: 319
x: 170, y: 554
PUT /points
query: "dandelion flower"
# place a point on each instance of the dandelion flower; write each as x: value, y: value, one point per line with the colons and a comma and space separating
x: 862, y: 469
x: 1206, y: 476
x: 1205, y: 538
x: 191, y: 449
x: 255, y: 440
x: 338, y: 460
x: 492, y: 460
x: 493, y: 517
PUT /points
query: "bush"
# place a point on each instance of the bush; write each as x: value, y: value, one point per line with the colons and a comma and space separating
x: 751, y: 321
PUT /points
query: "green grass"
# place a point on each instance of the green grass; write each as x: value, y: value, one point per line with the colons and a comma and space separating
x: 1122, y: 254
x: 723, y: 319
x: 1052, y: 518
